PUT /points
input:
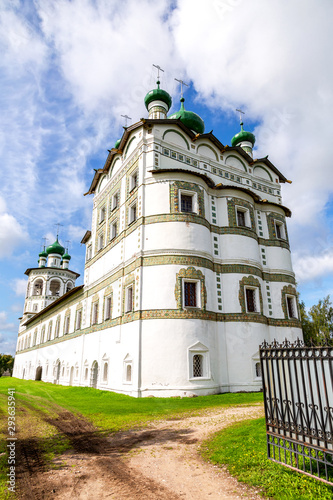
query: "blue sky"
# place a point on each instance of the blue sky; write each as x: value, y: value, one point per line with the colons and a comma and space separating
x: 70, y: 69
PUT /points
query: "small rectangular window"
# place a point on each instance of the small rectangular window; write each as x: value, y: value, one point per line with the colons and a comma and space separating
x: 197, y: 365
x: 113, y: 230
x: 241, y: 218
x: 102, y: 215
x: 89, y: 252
x: 129, y: 299
x: 66, y: 329
x: 190, y: 294
x: 279, y: 230
x: 78, y: 320
x: 291, y: 307
x: 115, y: 201
x: 186, y: 203
x: 95, y: 313
x: 107, y: 312
x: 100, y: 241
x: 134, y: 181
x: 250, y: 300
x: 132, y: 214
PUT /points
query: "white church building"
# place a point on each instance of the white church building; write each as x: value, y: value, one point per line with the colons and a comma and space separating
x: 188, y: 269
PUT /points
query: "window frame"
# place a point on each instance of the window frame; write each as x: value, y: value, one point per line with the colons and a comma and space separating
x: 280, y: 231
x: 115, y: 201
x: 78, y: 320
x: 132, y: 209
x: 194, y: 196
x: 102, y: 214
x: 100, y: 241
x: 108, y: 308
x: 201, y: 350
x: 113, y: 233
x: 197, y: 293
x: 134, y: 180
x: 293, y: 304
x: 246, y: 213
x: 256, y: 299
x: 129, y: 308
x: 95, y: 312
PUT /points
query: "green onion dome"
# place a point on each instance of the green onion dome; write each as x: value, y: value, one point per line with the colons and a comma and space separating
x: 158, y: 95
x: 243, y: 136
x: 43, y: 254
x: 55, y: 248
x: 190, y: 119
x: 117, y: 144
x: 66, y: 256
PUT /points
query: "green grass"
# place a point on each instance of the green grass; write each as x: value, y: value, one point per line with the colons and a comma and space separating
x: 111, y: 411
x: 242, y: 448
x: 37, y: 402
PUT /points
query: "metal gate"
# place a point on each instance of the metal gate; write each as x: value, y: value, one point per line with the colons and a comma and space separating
x: 298, y: 397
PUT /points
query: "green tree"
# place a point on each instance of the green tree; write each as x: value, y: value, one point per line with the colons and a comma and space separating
x: 317, y: 324
x: 6, y: 363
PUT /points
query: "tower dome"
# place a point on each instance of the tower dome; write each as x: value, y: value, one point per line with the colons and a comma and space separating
x: 244, y: 139
x: 117, y: 144
x: 158, y: 95
x: 190, y: 119
x: 55, y: 248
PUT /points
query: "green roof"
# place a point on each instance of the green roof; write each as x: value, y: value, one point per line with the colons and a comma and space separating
x: 158, y: 95
x: 243, y: 136
x: 55, y: 248
x: 42, y: 254
x: 117, y: 144
x: 190, y: 119
x: 66, y: 256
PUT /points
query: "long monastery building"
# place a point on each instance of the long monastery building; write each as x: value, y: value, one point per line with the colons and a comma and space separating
x: 187, y: 271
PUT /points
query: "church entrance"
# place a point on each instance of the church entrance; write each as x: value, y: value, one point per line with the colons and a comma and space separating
x: 71, y: 377
x: 94, y: 374
x: 39, y: 373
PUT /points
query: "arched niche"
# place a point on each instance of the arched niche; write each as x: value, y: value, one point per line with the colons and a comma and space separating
x: 208, y: 151
x: 176, y: 138
x: 262, y: 172
x: 234, y: 161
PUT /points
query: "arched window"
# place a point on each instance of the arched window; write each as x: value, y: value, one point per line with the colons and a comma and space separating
x: 197, y: 365
x: 69, y: 286
x: 38, y: 287
x: 55, y: 287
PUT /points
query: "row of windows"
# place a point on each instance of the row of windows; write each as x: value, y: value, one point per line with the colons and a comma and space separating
x: 191, y: 299
x: 188, y: 203
x: 115, y: 198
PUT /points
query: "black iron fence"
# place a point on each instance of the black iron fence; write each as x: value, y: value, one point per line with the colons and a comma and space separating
x: 298, y: 396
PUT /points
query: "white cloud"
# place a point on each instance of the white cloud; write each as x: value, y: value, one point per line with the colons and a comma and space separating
x: 4, y: 325
x: 271, y: 58
x: 12, y: 233
x: 19, y: 286
x: 311, y: 267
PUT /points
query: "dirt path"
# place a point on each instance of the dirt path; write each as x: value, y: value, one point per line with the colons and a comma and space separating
x: 161, y: 462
